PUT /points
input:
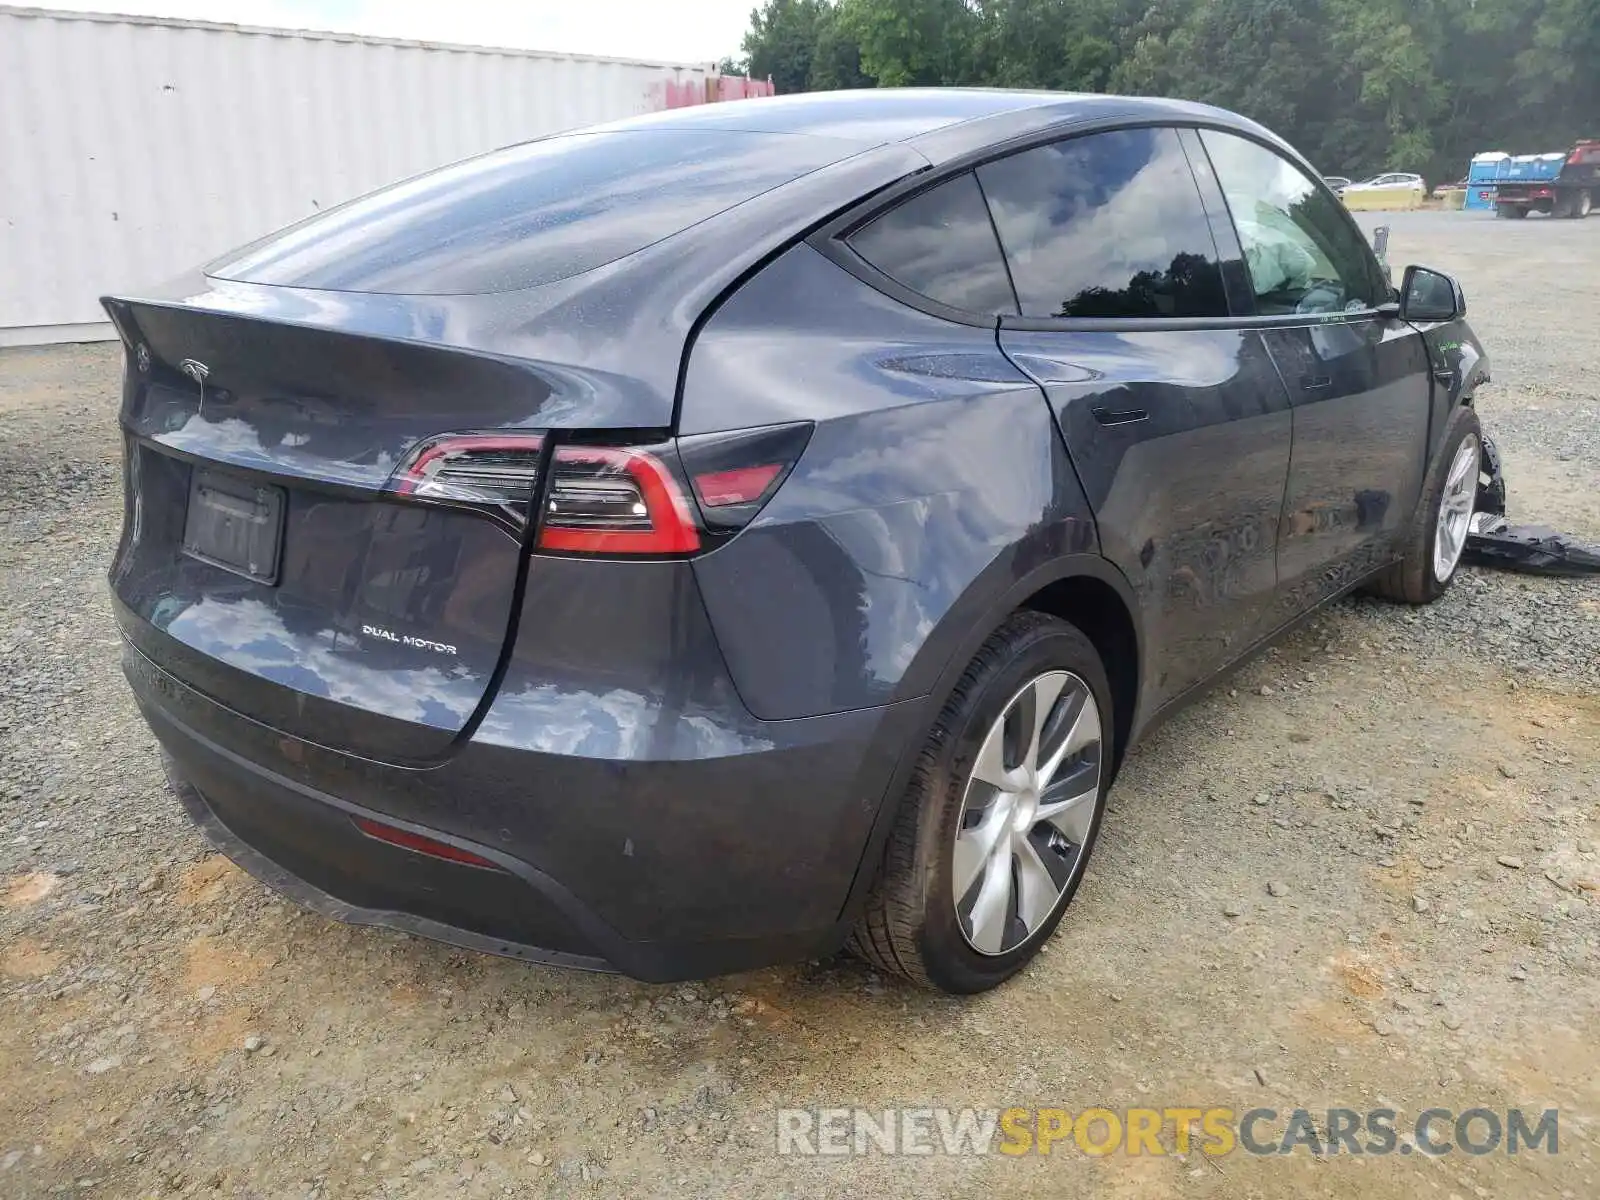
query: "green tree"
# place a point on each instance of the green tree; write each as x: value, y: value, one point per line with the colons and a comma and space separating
x: 802, y: 46
x: 1358, y: 85
x: 1558, y: 71
x: 1068, y: 45
x: 906, y: 43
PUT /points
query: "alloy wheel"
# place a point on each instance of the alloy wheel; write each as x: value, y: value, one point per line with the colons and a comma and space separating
x: 1455, y: 509
x: 1027, y: 812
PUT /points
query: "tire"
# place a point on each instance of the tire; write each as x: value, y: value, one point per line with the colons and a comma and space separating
x: 1511, y: 212
x: 1417, y: 578
x: 1582, y: 204
x: 1564, y: 206
x: 910, y: 926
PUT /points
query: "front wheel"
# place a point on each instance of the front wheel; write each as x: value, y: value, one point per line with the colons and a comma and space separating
x: 1000, y: 816
x: 1431, y: 551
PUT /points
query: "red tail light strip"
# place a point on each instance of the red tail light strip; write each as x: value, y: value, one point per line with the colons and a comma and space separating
x: 742, y: 485
x: 407, y: 840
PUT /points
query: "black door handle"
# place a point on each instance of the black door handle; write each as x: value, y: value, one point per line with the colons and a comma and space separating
x: 1122, y: 416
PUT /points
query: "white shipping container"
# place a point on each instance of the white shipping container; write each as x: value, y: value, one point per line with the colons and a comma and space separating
x: 133, y: 148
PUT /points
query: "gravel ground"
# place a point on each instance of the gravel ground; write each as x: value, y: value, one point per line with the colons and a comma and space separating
x: 1364, y: 874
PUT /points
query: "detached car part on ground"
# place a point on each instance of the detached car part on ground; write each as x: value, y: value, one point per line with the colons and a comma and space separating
x: 698, y: 542
x: 1492, y: 541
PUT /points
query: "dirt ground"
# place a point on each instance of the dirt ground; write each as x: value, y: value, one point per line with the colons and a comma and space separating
x: 1362, y: 875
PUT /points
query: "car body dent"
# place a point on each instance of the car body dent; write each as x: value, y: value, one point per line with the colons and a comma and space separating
x: 1361, y: 395
x: 1147, y: 417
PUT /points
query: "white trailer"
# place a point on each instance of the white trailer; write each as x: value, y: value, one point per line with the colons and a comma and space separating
x: 135, y: 148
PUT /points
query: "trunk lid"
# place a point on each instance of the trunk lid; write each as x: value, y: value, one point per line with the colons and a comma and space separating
x: 261, y: 541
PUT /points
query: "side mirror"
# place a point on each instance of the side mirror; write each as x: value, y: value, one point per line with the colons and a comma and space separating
x: 1431, y: 296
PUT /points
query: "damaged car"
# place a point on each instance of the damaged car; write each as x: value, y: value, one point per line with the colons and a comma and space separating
x: 728, y: 535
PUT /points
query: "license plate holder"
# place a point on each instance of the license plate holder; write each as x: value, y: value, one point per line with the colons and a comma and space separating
x: 234, y: 524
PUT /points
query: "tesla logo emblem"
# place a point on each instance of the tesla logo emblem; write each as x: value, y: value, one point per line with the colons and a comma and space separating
x: 197, y: 371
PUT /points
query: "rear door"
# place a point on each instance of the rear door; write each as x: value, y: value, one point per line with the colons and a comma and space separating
x: 1359, y: 379
x: 1174, y: 416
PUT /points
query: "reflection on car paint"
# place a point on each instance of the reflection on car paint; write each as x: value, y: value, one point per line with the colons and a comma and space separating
x: 623, y: 725
x: 845, y: 590
x: 247, y: 634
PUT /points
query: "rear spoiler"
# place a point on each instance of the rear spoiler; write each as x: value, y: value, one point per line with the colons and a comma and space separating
x: 664, y: 291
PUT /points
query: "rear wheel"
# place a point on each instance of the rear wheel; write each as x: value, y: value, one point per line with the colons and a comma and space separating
x: 1000, y: 816
x: 1439, y: 527
x: 1511, y: 212
x: 1582, y: 203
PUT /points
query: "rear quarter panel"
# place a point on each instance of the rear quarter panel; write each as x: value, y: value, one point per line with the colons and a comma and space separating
x: 933, y: 482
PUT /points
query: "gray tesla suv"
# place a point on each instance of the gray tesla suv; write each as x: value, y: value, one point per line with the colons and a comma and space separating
x: 724, y: 536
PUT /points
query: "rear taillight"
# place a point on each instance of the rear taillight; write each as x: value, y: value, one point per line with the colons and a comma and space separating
x: 664, y: 499
x: 495, y: 472
x: 610, y: 500
x: 734, y: 474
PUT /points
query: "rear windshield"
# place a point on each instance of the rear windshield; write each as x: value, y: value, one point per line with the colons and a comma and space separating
x: 528, y: 214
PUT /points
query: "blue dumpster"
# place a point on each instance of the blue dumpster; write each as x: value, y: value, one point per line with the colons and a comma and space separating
x: 1485, y: 167
x: 1535, y: 168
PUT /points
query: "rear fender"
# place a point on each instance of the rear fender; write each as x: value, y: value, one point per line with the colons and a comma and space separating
x: 933, y: 479
x: 989, y: 602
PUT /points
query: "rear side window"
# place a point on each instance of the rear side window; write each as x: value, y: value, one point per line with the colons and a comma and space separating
x: 1303, y: 252
x: 941, y: 244
x: 1106, y: 225
x: 529, y: 214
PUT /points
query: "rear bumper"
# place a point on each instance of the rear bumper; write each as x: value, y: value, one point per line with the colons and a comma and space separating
x: 663, y: 870
x: 294, y: 838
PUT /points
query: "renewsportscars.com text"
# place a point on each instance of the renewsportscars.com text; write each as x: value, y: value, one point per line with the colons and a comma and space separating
x: 1212, y: 1131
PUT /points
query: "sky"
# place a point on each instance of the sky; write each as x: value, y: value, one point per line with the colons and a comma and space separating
x: 665, y: 30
